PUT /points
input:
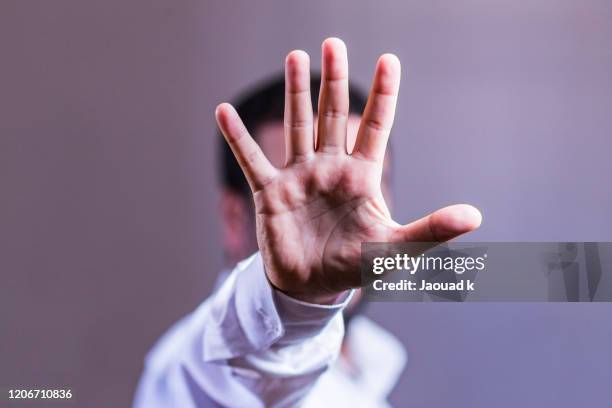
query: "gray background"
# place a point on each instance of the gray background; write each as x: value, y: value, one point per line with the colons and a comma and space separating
x: 108, y: 195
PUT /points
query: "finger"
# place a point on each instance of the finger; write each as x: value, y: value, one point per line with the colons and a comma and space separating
x: 441, y: 225
x: 251, y: 159
x: 380, y: 110
x: 333, y: 98
x: 299, y: 132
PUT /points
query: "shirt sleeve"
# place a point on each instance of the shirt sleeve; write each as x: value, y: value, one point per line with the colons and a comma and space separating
x: 247, y: 345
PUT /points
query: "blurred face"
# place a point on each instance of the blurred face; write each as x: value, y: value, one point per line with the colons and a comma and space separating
x: 238, y: 223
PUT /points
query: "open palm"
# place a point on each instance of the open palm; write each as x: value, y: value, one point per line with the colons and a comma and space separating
x: 313, y: 214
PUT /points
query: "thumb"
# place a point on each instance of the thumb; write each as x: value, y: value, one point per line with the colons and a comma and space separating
x: 441, y: 225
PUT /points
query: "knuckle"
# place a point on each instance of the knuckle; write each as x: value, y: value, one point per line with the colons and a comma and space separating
x: 334, y: 113
x: 252, y: 157
x: 376, y: 124
x: 235, y: 139
x: 298, y: 123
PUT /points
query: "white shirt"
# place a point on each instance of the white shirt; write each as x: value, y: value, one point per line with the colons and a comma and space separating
x: 365, y: 374
x: 248, y: 345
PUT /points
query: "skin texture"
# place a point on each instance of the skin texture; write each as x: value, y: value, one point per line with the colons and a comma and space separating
x: 238, y: 212
x: 313, y: 214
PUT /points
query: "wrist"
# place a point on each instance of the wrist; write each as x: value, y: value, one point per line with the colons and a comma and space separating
x: 313, y: 297
x: 302, y: 289
x: 318, y: 299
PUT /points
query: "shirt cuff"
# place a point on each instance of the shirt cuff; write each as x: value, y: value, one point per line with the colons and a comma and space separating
x: 269, y: 316
x: 301, y: 320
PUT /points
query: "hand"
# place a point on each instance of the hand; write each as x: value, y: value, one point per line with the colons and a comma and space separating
x: 313, y: 214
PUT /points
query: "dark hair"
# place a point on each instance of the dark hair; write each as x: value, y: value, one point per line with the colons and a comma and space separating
x: 263, y: 104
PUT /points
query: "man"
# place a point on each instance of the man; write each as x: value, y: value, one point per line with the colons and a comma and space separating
x: 370, y: 359
x: 274, y: 326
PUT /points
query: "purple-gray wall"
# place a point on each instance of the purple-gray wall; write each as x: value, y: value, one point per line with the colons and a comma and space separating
x: 107, y: 187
